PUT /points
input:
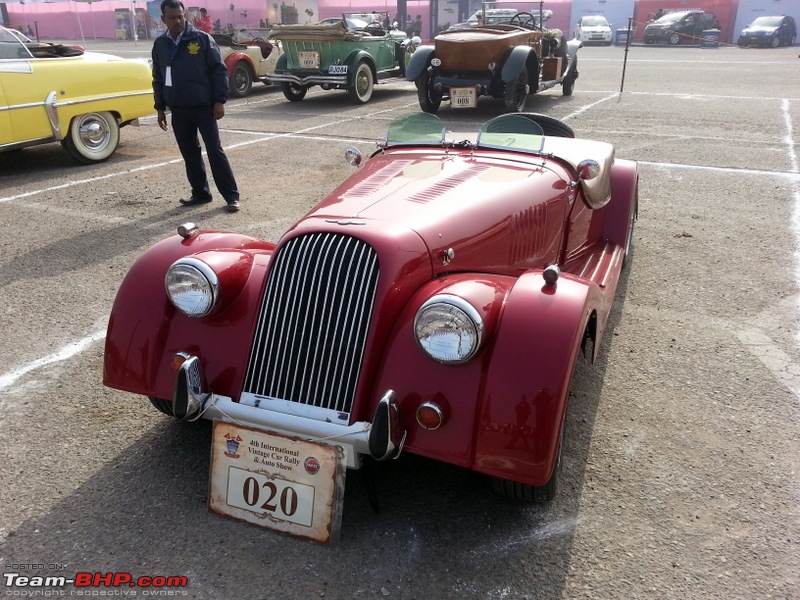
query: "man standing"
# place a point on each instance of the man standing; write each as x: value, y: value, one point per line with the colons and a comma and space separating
x: 203, y: 22
x: 191, y: 80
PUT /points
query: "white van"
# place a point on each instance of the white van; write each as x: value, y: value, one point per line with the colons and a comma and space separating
x: 594, y: 29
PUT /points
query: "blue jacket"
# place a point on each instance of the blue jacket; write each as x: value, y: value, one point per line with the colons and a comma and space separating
x: 199, y: 77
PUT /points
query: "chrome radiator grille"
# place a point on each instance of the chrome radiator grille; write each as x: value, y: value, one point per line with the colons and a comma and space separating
x: 313, y: 322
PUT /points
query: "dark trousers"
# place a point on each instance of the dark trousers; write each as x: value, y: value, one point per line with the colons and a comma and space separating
x: 186, y: 123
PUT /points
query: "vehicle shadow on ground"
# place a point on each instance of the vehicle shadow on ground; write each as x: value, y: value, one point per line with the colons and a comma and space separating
x: 98, y: 246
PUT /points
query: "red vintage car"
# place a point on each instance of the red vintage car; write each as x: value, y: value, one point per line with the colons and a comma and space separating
x: 434, y: 303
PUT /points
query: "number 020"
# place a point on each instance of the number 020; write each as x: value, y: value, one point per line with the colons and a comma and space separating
x: 251, y: 492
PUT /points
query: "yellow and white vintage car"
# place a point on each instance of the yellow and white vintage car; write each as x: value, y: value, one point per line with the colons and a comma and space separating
x: 57, y: 93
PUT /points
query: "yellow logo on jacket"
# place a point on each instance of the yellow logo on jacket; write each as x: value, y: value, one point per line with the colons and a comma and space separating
x: 193, y: 47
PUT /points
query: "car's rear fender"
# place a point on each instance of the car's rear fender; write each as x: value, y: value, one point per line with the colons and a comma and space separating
x: 352, y: 60
x: 521, y: 57
x: 145, y: 330
x: 419, y: 62
x: 282, y: 64
x: 624, y: 191
x: 235, y: 57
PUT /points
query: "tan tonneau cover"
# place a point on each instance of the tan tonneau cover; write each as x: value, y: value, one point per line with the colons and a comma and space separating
x: 328, y: 32
x: 473, y: 49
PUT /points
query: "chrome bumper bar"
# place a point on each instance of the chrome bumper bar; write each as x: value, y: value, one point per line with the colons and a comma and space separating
x: 308, y: 79
x: 382, y: 439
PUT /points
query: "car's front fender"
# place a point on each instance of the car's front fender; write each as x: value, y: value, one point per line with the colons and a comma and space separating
x: 145, y: 330
x: 418, y: 62
x: 533, y: 335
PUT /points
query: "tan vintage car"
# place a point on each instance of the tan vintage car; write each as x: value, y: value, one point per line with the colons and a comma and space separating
x: 57, y: 93
x: 504, y: 61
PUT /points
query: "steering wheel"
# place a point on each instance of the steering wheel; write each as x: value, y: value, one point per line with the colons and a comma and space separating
x: 374, y: 28
x: 524, y: 19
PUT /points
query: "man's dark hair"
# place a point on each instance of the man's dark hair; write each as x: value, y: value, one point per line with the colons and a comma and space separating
x: 172, y: 4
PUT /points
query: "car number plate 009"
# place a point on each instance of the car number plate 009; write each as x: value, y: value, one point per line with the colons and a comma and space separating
x: 463, y: 98
x: 337, y: 70
x: 286, y: 484
x: 308, y: 60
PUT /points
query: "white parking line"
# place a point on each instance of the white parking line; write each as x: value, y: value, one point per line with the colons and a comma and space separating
x: 68, y: 351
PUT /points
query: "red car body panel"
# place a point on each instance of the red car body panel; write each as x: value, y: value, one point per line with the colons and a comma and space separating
x: 478, y: 225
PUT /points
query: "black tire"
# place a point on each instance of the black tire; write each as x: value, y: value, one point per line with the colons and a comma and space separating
x: 162, y: 406
x: 626, y: 258
x: 550, y: 126
x: 538, y: 494
x: 293, y: 92
x: 516, y: 94
x: 363, y: 84
x: 241, y: 80
x: 92, y: 138
x: 776, y: 42
x: 568, y: 84
x: 429, y: 99
x: 674, y: 39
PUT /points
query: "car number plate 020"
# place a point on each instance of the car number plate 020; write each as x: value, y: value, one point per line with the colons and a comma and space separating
x: 285, y: 484
x: 337, y: 70
x: 463, y: 98
x: 308, y: 60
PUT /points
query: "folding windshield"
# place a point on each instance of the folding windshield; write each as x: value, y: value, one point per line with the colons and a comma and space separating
x: 508, y: 132
x: 416, y: 128
x: 512, y: 131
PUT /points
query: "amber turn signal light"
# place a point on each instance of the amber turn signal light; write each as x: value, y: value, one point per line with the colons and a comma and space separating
x: 177, y: 360
x: 429, y: 416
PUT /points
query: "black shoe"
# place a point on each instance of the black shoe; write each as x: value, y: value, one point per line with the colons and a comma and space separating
x: 193, y: 201
x: 233, y: 206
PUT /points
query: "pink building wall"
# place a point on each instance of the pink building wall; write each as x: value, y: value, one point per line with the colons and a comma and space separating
x: 106, y: 18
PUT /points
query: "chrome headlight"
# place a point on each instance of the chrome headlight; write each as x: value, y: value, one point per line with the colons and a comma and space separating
x: 192, y: 286
x: 448, y: 329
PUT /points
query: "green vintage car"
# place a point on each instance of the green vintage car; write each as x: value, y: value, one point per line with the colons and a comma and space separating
x: 339, y: 55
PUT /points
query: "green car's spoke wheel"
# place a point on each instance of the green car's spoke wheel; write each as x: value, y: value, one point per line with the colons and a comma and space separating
x: 92, y: 137
x: 363, y: 84
x: 241, y: 81
x: 293, y: 92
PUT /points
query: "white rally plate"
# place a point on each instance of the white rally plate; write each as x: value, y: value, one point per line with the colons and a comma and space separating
x: 308, y: 60
x: 463, y: 98
x: 285, y: 484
